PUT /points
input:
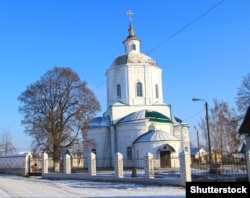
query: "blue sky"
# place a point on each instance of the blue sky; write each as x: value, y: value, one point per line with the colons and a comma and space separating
x: 208, y: 59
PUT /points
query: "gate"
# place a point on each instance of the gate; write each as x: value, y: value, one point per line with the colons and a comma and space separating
x: 35, y: 166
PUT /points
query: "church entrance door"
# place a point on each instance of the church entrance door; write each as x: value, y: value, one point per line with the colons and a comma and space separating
x: 165, y: 159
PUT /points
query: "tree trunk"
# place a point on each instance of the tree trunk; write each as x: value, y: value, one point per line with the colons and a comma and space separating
x: 57, y: 167
x: 56, y: 157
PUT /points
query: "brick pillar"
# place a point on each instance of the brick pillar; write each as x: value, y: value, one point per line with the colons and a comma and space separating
x: 45, y: 163
x: 149, y: 165
x: 92, y: 164
x: 247, y: 154
x: 185, y: 167
x: 118, y: 165
x: 67, y: 164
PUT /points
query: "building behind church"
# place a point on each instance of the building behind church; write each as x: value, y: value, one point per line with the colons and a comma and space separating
x: 137, y: 120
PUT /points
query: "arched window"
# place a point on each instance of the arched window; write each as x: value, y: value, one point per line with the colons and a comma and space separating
x: 129, y: 153
x: 133, y: 47
x: 93, y: 150
x: 156, y: 91
x: 118, y: 91
x: 139, y: 89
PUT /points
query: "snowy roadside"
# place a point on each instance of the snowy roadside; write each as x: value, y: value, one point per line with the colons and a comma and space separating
x: 14, y: 186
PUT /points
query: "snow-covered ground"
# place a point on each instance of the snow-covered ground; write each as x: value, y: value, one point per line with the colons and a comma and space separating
x: 14, y: 186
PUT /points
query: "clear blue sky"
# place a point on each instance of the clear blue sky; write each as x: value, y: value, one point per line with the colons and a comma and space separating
x: 206, y: 60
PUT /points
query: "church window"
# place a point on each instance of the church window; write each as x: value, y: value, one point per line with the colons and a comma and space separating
x: 93, y: 150
x: 129, y: 153
x: 133, y: 47
x: 118, y: 91
x: 139, y: 89
x: 156, y: 91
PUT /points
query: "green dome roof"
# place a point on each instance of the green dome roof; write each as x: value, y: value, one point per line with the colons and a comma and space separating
x: 145, y: 114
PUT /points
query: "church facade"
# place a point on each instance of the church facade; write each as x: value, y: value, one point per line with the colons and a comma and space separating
x: 137, y: 120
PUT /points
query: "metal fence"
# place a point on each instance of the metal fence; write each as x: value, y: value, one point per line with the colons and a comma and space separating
x: 226, y: 169
x: 132, y: 168
x: 229, y: 168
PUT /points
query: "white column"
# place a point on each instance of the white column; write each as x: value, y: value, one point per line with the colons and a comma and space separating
x: 185, y: 167
x: 67, y: 164
x: 45, y: 163
x: 149, y: 165
x: 92, y: 164
x: 118, y: 165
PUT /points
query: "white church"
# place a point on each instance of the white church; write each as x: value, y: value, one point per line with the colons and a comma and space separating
x: 137, y: 120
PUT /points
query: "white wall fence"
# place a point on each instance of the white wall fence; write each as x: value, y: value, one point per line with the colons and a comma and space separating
x: 120, y: 173
x: 22, y: 164
x: 17, y: 164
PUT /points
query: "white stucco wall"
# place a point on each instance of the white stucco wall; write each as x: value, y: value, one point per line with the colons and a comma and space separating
x: 127, y: 76
x: 127, y: 133
x: 98, y: 136
x: 16, y: 163
x: 118, y: 112
x: 141, y: 149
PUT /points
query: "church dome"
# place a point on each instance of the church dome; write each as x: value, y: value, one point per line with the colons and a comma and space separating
x: 145, y: 114
x: 155, y: 135
x: 134, y: 57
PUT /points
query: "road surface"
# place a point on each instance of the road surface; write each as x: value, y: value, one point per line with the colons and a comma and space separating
x: 15, y: 186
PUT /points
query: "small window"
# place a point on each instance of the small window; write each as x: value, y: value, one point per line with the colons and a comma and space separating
x: 93, y: 150
x: 139, y: 89
x: 156, y: 91
x: 129, y: 153
x: 118, y: 91
x: 133, y: 47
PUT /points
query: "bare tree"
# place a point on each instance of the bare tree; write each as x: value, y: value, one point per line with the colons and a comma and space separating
x: 243, y: 96
x: 223, y: 128
x: 56, y: 108
x: 6, y: 144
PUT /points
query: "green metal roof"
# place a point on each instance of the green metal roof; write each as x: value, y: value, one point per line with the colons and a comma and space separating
x: 156, y: 116
x: 145, y: 114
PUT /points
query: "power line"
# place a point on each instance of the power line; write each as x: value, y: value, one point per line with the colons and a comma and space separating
x: 186, y: 26
x: 194, y: 115
x: 179, y: 31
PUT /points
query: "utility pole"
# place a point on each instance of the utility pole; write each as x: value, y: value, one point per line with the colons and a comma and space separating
x: 198, y: 142
x: 208, y: 133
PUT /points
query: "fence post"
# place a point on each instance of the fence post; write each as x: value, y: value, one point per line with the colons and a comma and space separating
x: 45, y: 163
x: 92, y: 164
x: 185, y: 167
x: 118, y: 165
x: 67, y: 164
x: 149, y: 165
x: 248, y: 164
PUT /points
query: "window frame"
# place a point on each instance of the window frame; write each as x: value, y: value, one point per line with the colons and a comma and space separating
x: 139, y: 89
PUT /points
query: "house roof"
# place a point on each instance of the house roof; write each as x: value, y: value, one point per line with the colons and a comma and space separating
x: 99, y: 122
x: 195, y: 150
x: 155, y: 135
x: 22, y: 154
x: 245, y: 126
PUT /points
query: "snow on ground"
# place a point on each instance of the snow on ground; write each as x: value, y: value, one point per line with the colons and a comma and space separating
x: 15, y: 186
